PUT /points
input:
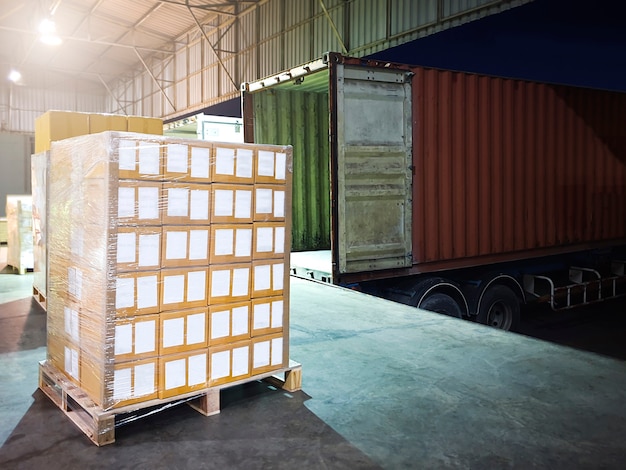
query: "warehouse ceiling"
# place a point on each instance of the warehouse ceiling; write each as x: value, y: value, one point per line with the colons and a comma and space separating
x: 100, y: 39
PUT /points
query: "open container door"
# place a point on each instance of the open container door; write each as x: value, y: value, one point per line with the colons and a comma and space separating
x: 371, y: 165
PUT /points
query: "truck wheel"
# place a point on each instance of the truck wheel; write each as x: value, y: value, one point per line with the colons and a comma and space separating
x: 441, y: 303
x: 499, y: 309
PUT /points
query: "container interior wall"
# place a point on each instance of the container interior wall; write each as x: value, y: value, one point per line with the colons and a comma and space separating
x: 512, y: 168
x: 300, y: 119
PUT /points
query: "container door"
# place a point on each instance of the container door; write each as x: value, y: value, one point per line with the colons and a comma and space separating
x: 372, y: 168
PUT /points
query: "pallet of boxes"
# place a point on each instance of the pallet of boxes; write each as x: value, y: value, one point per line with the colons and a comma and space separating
x: 168, y: 274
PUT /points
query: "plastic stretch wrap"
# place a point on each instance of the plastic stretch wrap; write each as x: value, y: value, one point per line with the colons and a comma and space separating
x: 20, y: 232
x: 164, y: 277
x: 39, y: 180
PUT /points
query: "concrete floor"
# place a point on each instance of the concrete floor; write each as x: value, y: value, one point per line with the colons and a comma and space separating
x: 384, y: 386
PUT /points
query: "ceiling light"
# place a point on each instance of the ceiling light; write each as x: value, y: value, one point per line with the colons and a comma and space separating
x: 47, y: 29
x: 15, y: 76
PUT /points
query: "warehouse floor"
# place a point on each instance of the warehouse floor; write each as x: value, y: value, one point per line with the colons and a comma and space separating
x: 384, y: 386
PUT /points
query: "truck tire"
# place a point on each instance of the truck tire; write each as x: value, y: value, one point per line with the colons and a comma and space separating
x: 499, y: 308
x: 441, y: 303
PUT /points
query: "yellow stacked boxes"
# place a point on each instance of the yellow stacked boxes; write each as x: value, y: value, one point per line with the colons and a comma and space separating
x: 166, y: 276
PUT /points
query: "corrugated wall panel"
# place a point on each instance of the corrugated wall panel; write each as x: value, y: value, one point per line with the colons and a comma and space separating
x: 408, y: 14
x: 453, y: 7
x: 365, y: 22
x: 515, y: 168
x: 210, y: 81
x: 286, y: 118
x: 270, y: 54
x: 195, y: 57
x: 324, y: 38
x: 195, y: 89
x: 298, y: 45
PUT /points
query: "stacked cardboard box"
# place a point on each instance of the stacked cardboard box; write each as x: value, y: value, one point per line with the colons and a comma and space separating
x: 58, y: 125
x: 19, y: 232
x: 168, y: 264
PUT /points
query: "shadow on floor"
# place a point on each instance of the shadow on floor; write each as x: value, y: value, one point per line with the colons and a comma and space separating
x: 22, y: 325
x: 258, y: 427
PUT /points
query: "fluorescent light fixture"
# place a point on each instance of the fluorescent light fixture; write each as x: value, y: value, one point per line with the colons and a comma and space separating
x: 15, y: 76
x: 47, y: 29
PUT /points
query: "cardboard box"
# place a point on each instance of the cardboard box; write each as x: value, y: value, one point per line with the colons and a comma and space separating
x: 186, y: 162
x: 186, y: 203
x: 229, y: 323
x: 231, y: 204
x: 231, y: 243
x: 229, y: 283
x: 271, y: 166
x: 107, y: 122
x: 183, y: 288
x: 136, y: 338
x: 185, y: 246
x: 132, y: 382
x: 268, y: 353
x: 183, y: 373
x: 58, y: 125
x: 270, y: 240
x: 145, y: 125
x: 138, y: 248
x: 138, y: 157
x: 183, y: 330
x: 269, y: 203
x: 137, y: 293
x: 138, y: 202
x: 234, y: 163
x: 229, y: 362
x: 268, y: 278
x: 268, y: 315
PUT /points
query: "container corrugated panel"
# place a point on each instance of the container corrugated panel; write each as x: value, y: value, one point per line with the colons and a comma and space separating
x: 509, y: 169
x: 284, y: 117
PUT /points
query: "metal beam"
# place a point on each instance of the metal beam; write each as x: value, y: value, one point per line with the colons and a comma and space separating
x: 156, y: 82
x: 334, y: 28
x: 122, y: 107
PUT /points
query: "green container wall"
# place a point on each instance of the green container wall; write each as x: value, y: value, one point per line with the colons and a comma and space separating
x: 300, y: 119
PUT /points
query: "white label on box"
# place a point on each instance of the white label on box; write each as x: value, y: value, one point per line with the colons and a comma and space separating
x: 72, y: 323
x: 122, y: 385
x: 196, y: 328
x: 126, y: 247
x: 148, y: 206
x: 147, y: 292
x: 220, y: 365
x: 173, y: 332
x: 241, y: 361
x: 197, y: 370
x: 243, y: 244
x: 123, y: 339
x: 200, y: 162
x: 149, y: 158
x: 261, y: 354
x: 125, y: 202
x: 279, y: 203
x: 263, y: 201
x: 279, y: 240
x: 67, y: 360
x: 77, y: 240
x: 173, y: 289
x: 199, y: 204
x: 220, y: 324
x: 281, y: 165
x: 223, y: 202
x: 220, y: 283
x: 75, y: 370
x: 244, y: 163
x: 175, y: 374
x: 277, y: 314
x: 145, y: 336
x: 243, y: 204
x: 262, y: 279
x: 278, y: 272
x: 196, y: 286
x: 261, y: 316
x: 144, y: 379
x: 277, y: 351
x: 177, y: 158
x: 240, y: 321
x: 199, y: 244
x: 124, y: 292
x: 266, y: 163
x: 223, y: 242
x: 225, y: 161
x: 264, y: 239
x: 241, y: 282
x: 149, y: 250
x: 127, y: 155
x: 177, y: 202
x: 176, y: 245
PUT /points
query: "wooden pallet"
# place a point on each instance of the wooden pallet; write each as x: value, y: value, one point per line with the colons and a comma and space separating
x: 99, y: 424
x: 39, y: 297
x: 19, y: 270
